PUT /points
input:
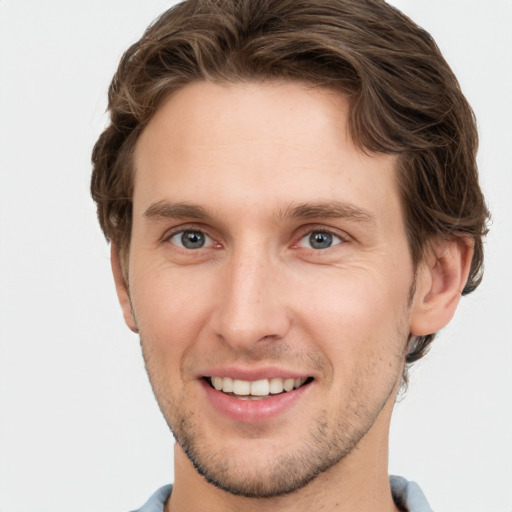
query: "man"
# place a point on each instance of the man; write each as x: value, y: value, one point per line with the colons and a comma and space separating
x: 291, y: 193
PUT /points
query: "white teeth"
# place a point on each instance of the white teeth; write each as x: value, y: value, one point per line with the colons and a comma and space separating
x: 227, y: 384
x: 217, y: 383
x: 276, y: 385
x: 241, y: 387
x: 288, y: 384
x: 262, y: 387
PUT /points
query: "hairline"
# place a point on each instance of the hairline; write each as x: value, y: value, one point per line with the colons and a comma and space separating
x: 130, y: 146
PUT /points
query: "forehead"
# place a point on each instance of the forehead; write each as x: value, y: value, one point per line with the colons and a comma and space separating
x: 257, y: 145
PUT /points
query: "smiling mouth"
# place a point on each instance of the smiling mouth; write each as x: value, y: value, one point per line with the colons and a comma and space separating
x: 257, y: 389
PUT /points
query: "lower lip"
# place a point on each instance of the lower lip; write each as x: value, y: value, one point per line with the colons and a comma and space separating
x: 253, y: 411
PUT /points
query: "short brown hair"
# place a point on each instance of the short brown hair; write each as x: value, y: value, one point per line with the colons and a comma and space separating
x: 404, y: 100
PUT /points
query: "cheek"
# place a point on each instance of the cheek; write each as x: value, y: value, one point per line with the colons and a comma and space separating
x: 170, y: 309
x: 357, y: 317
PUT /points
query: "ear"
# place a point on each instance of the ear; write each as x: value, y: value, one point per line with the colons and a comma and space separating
x: 440, y: 280
x: 122, y: 288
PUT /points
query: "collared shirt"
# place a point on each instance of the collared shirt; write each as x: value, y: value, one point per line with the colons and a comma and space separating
x: 406, y: 494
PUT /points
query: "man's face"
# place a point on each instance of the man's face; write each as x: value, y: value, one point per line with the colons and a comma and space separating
x: 266, y: 248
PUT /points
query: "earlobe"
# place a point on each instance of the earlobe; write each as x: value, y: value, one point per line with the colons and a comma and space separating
x: 440, y: 280
x: 122, y: 288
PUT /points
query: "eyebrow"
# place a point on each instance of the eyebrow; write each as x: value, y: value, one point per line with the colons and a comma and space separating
x: 167, y: 210
x: 327, y: 210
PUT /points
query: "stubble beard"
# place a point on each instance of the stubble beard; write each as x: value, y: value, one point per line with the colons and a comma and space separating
x: 324, y: 446
x: 327, y: 442
x: 284, y: 474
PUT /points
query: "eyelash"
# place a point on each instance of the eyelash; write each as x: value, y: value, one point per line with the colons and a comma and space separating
x: 192, y: 229
x: 168, y: 237
x: 320, y: 231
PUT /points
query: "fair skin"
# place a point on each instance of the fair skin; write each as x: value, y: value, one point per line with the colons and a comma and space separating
x: 266, y: 247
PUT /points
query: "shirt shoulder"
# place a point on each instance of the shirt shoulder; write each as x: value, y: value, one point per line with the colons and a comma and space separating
x: 408, y: 495
x: 157, y: 500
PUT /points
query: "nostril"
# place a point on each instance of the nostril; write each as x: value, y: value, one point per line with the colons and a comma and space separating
x: 270, y: 337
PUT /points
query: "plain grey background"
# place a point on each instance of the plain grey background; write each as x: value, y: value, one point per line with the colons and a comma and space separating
x: 79, y: 427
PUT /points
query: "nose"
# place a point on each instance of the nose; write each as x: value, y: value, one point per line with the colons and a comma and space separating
x: 252, y: 305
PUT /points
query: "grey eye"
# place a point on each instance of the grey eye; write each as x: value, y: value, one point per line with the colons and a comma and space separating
x: 191, y: 239
x: 319, y: 240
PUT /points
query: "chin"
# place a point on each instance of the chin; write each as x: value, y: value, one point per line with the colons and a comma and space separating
x: 253, y: 468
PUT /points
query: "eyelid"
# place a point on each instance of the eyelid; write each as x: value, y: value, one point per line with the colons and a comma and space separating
x: 308, y: 235
x: 208, y: 241
x: 194, y: 227
x: 320, y: 228
x: 302, y: 233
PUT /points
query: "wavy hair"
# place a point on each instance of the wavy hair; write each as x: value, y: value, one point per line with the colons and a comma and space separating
x: 404, y: 100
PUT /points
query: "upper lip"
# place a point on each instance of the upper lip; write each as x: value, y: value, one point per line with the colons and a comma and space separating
x: 252, y: 374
